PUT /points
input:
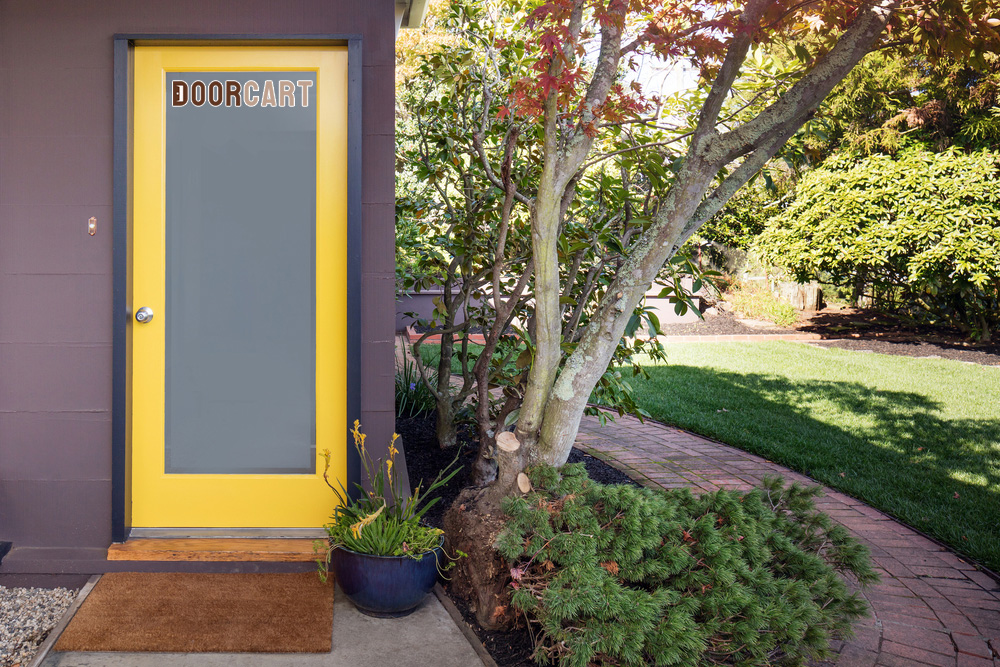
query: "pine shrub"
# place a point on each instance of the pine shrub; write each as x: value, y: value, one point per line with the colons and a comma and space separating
x: 620, y: 575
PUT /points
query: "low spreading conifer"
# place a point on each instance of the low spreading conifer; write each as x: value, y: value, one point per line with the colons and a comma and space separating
x: 622, y: 575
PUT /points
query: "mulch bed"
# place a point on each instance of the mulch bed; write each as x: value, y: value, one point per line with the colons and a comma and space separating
x: 723, y: 324
x: 984, y: 355
x: 424, y: 459
x: 860, y: 330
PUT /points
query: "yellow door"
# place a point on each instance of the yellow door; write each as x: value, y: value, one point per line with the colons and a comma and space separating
x: 238, y: 285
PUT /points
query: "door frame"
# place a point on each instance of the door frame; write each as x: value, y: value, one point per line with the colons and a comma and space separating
x: 121, y: 463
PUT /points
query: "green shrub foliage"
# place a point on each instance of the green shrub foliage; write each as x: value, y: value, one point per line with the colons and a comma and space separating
x: 621, y: 575
x: 413, y: 396
x: 917, y: 232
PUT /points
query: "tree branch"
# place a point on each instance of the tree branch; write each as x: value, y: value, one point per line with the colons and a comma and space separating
x: 805, y: 96
x: 748, y: 25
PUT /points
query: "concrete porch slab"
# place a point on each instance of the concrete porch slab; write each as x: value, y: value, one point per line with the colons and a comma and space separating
x: 428, y: 636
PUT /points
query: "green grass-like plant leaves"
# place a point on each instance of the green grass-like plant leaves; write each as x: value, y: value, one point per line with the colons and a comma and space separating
x: 381, y: 521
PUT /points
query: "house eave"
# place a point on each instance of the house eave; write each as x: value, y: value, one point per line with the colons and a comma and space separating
x: 410, y: 13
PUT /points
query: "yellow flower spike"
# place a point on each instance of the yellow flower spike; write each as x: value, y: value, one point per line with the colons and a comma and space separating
x: 359, y: 437
x: 356, y: 528
x: 388, y: 469
x: 392, y: 446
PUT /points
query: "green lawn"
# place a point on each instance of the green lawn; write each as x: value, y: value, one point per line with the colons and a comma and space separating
x: 431, y: 352
x: 917, y: 438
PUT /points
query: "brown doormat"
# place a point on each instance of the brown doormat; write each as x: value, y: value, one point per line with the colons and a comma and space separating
x: 201, y: 613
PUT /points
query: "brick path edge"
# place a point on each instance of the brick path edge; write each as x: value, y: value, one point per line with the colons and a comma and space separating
x: 931, y: 607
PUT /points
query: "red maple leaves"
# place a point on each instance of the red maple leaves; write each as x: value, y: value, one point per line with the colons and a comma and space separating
x: 566, y: 43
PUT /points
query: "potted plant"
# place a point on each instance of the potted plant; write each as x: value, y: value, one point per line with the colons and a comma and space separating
x: 382, y: 555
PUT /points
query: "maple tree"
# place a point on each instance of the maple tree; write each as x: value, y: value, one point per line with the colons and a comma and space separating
x: 577, y: 94
x: 581, y: 104
x: 464, y: 236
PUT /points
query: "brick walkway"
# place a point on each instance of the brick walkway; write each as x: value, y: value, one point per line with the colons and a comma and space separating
x: 931, y: 607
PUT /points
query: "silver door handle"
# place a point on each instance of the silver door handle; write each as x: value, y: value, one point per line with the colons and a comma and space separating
x: 143, y: 315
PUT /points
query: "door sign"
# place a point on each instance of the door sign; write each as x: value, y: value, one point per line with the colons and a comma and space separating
x: 235, y: 93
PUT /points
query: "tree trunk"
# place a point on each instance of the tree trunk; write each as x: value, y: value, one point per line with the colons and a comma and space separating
x: 858, y: 289
x: 555, y: 401
x: 471, y: 525
x: 447, y: 433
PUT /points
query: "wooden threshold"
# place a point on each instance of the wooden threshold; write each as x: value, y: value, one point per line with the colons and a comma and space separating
x: 284, y: 550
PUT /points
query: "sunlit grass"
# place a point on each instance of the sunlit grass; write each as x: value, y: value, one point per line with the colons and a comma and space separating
x: 905, y: 435
x: 431, y: 352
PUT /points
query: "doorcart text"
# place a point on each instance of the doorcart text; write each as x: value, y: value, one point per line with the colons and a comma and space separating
x: 281, y: 93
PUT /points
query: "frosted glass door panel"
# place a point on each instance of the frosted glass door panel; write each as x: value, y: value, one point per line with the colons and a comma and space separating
x: 240, y: 289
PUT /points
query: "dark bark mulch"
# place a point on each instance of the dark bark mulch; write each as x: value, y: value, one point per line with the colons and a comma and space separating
x: 723, y: 324
x: 836, y: 321
x: 510, y: 648
x: 874, y: 331
x: 861, y: 330
x: 599, y: 471
x: 984, y: 355
x: 424, y: 459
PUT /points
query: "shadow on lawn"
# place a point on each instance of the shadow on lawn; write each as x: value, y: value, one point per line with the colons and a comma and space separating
x: 892, y: 449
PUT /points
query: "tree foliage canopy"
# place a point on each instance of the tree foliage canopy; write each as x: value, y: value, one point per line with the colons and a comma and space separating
x: 554, y: 112
x: 461, y: 158
x: 893, y: 100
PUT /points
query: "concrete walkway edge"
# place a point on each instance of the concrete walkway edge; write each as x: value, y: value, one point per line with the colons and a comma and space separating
x: 53, y: 636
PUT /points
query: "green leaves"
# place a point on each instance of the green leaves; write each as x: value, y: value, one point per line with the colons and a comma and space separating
x: 381, y: 520
x: 413, y: 395
x: 633, y: 576
x: 918, y: 232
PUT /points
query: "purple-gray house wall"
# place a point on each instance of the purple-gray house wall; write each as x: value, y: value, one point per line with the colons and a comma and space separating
x: 56, y: 158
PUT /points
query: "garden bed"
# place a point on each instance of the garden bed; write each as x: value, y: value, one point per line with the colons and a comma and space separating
x: 858, y: 330
x: 424, y: 459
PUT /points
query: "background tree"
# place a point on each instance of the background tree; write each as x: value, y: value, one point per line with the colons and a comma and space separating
x: 892, y: 100
x: 917, y: 232
x: 897, y: 99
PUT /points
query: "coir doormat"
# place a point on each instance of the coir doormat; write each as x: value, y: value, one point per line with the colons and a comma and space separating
x: 202, y: 613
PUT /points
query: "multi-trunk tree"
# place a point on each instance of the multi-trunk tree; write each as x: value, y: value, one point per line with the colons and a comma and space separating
x: 466, y: 168
x: 580, y: 96
x: 583, y: 47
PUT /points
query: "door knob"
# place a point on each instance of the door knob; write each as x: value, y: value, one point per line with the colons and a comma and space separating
x: 143, y: 315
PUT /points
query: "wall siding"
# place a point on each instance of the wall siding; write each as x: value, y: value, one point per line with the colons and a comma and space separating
x: 56, y: 125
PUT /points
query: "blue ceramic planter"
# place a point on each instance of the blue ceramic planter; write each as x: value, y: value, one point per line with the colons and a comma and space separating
x: 385, y: 586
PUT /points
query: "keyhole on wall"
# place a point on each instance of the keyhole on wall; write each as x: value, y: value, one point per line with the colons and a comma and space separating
x: 92, y: 226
